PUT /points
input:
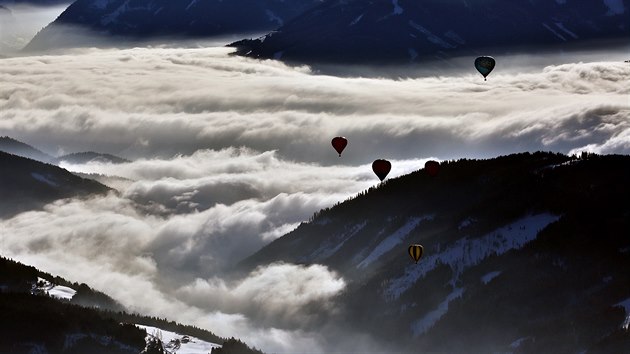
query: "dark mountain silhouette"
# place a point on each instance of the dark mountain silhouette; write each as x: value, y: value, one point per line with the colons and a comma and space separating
x: 90, y: 156
x: 15, y: 147
x: 404, y: 31
x: 144, y: 19
x: 91, y: 322
x: 522, y: 253
x: 27, y: 184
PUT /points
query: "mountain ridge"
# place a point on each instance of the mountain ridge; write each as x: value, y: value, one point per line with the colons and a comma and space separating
x: 484, y: 225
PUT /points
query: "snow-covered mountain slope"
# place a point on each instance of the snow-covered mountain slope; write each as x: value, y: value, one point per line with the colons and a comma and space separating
x: 143, y: 19
x: 43, y: 286
x: 404, y: 31
x: 513, y: 246
x: 178, y: 343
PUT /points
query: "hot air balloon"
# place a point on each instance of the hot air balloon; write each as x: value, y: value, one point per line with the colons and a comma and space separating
x: 432, y: 167
x: 339, y: 143
x: 484, y: 65
x: 415, y: 251
x: 381, y: 168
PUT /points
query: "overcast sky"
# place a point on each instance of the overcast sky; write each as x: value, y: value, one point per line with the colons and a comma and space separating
x: 230, y: 153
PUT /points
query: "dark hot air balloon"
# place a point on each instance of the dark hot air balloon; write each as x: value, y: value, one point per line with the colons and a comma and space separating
x: 484, y: 65
x: 415, y: 251
x: 432, y: 167
x: 381, y: 168
x: 339, y: 143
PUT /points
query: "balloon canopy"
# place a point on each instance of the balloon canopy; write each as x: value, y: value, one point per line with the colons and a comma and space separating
x: 339, y: 143
x: 484, y: 65
x: 381, y: 168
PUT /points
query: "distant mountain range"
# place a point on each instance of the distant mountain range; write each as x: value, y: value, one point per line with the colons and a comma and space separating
x: 123, y: 20
x: 27, y: 184
x: 405, y: 31
x: 526, y: 253
x: 16, y: 147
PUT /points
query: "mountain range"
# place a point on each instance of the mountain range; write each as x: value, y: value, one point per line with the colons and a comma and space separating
x: 124, y: 20
x: 526, y: 253
x: 404, y: 31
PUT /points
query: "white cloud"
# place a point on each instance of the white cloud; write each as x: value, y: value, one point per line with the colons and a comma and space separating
x: 231, y: 153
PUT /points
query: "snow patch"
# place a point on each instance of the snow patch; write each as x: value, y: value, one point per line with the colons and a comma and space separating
x: 178, y: 343
x: 626, y: 306
x: 397, y: 9
x: 100, y: 4
x: 333, y: 244
x: 192, y: 3
x: 615, y: 7
x: 488, y: 277
x: 422, y: 325
x: 413, y: 54
x: 466, y: 222
x: 465, y: 252
x: 44, y: 179
x: 517, y: 343
x: 273, y: 17
x: 356, y: 20
x: 56, y: 291
x: 560, y: 25
x: 430, y: 36
x: 452, y: 35
x: 393, y: 240
x: 554, y: 32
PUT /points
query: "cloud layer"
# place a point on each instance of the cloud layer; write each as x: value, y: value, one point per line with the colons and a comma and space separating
x: 230, y: 153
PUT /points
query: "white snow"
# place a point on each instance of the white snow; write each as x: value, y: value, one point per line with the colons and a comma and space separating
x: 57, y: 291
x: 465, y: 252
x: 430, y: 36
x: 43, y: 179
x: 397, y: 9
x: 178, y: 343
x: 413, y: 54
x: 356, y: 20
x: 626, y: 305
x: 393, y: 240
x: 422, y: 325
x: 273, y: 17
x: 554, y: 32
x: 100, y: 4
x: 452, y: 35
x: 334, y: 243
x: 560, y: 25
x: 517, y: 343
x: 615, y: 7
x: 466, y: 222
x: 192, y: 3
x: 488, y: 277
x: 113, y: 17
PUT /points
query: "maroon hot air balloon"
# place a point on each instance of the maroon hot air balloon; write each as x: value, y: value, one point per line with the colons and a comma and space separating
x: 432, y: 167
x: 381, y: 168
x: 339, y: 143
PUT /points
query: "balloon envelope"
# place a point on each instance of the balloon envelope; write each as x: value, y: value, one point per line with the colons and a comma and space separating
x: 381, y: 168
x: 415, y: 251
x: 339, y: 143
x: 485, y: 65
x: 432, y: 167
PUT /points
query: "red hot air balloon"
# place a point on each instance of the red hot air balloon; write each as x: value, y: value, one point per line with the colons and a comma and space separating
x: 339, y: 143
x: 432, y: 167
x: 381, y: 168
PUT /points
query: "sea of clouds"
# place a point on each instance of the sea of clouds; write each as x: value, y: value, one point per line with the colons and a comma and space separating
x: 228, y: 154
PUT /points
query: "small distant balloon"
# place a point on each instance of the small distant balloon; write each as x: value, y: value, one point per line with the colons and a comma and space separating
x: 339, y: 143
x: 381, y: 168
x: 415, y: 251
x: 432, y: 167
x: 485, y: 65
